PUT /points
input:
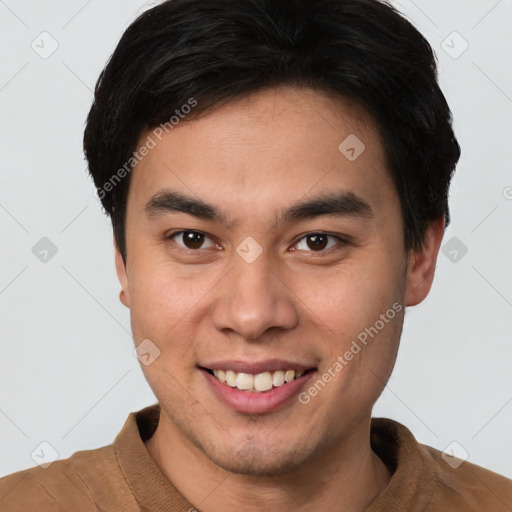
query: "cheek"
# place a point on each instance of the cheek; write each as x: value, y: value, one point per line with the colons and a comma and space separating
x: 163, y: 310
x: 354, y: 295
x: 160, y: 300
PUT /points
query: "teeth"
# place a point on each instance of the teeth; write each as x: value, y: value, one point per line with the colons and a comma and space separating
x: 263, y: 381
x: 245, y: 381
x: 260, y: 382
x: 289, y: 375
x: 231, y: 378
x: 221, y: 375
x: 278, y: 379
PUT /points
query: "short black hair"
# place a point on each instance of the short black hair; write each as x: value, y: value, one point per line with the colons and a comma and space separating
x: 214, y: 51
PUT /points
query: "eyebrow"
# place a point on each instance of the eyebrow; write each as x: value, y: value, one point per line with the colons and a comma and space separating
x: 340, y: 204
x: 168, y: 201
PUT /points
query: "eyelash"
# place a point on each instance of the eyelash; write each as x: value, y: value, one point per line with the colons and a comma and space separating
x: 340, y: 240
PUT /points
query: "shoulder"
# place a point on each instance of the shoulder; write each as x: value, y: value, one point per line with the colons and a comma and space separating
x: 466, y: 486
x: 64, y: 485
x: 424, y: 478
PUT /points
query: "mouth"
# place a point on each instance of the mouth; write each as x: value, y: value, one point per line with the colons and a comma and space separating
x: 256, y: 383
x: 259, y: 387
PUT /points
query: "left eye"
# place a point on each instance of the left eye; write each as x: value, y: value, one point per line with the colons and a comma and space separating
x: 317, y: 242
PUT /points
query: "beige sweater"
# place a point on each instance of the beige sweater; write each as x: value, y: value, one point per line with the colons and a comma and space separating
x: 123, y: 477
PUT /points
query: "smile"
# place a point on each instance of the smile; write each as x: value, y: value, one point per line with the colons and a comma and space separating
x: 257, y: 383
x: 257, y: 387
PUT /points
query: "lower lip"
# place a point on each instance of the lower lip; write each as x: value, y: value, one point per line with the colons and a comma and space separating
x: 253, y: 402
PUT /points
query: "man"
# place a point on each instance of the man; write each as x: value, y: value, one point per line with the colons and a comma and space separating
x: 277, y: 175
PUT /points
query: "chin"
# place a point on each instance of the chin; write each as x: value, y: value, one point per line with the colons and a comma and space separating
x: 257, y: 458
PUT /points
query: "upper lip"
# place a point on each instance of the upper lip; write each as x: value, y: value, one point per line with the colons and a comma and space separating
x: 256, y: 367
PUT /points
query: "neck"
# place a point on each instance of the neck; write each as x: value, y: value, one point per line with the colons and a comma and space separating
x: 348, y: 474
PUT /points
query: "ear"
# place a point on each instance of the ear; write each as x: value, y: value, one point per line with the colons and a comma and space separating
x: 421, y: 264
x: 121, y: 275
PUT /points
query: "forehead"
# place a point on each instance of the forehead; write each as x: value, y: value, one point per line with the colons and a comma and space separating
x: 266, y: 150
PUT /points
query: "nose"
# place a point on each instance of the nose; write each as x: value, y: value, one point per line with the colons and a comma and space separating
x: 254, y: 299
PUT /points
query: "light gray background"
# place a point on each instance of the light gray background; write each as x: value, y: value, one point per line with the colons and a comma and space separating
x: 67, y: 372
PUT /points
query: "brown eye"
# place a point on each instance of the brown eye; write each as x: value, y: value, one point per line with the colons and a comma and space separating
x: 192, y: 240
x: 317, y: 242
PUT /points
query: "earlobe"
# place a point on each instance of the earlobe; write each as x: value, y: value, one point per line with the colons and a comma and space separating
x: 121, y: 275
x: 421, y: 264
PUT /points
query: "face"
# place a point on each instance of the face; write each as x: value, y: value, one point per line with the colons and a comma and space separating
x: 260, y: 252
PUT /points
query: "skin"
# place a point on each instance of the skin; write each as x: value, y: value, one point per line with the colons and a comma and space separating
x: 253, y: 158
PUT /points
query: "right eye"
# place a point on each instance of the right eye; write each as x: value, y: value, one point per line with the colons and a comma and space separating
x: 191, y: 240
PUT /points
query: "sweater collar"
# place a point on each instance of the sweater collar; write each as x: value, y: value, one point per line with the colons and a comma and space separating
x: 411, y: 486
